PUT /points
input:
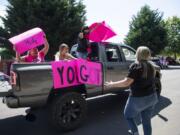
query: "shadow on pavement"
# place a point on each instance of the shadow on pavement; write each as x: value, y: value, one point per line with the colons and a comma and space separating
x: 162, y: 104
x: 105, y: 117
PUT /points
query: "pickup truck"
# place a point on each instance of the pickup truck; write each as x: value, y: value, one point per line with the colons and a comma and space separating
x: 32, y: 85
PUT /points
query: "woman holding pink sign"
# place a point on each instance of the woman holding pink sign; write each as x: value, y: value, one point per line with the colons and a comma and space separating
x: 34, y: 55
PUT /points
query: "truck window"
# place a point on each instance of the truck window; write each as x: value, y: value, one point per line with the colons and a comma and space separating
x: 93, y: 56
x: 128, y: 53
x: 112, y: 54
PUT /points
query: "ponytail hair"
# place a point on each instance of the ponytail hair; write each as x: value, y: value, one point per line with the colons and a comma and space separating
x: 143, y: 55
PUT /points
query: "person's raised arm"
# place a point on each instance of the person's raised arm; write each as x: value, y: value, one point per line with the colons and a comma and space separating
x: 19, y: 58
x: 46, y: 46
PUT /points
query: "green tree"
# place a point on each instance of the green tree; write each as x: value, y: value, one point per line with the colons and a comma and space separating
x: 61, y: 20
x: 147, y: 29
x: 5, y: 47
x: 173, y: 30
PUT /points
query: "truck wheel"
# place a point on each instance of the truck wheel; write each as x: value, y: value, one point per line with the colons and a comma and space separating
x: 158, y: 86
x: 68, y: 111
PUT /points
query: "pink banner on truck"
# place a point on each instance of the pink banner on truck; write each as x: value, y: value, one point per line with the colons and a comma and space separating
x: 89, y: 72
x: 64, y: 73
x: 28, y: 40
x: 75, y: 72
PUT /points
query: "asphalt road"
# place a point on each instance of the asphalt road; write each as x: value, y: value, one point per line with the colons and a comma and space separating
x: 105, y: 114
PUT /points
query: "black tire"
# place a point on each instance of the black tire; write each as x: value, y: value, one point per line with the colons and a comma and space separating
x: 158, y: 86
x: 68, y: 111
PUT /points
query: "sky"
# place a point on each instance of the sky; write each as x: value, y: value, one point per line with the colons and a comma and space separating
x: 3, y: 4
x: 118, y: 13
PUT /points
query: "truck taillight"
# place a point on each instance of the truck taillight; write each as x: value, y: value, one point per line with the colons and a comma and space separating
x: 13, y: 78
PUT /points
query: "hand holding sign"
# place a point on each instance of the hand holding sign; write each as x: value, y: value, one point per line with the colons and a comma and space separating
x: 28, y: 40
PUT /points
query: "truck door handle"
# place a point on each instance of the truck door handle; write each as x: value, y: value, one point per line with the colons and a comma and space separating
x: 110, y: 68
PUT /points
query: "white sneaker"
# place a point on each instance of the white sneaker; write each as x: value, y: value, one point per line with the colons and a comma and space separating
x: 130, y: 133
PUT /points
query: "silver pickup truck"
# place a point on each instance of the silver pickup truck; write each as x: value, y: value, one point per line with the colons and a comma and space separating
x: 32, y: 85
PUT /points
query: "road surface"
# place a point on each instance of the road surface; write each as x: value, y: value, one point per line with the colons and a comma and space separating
x: 105, y: 114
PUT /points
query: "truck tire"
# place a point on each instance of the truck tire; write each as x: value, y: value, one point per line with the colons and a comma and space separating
x: 158, y: 86
x: 68, y: 111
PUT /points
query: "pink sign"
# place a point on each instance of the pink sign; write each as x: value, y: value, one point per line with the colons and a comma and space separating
x: 28, y: 40
x: 100, y: 32
x: 75, y: 72
x: 89, y: 72
x: 64, y: 73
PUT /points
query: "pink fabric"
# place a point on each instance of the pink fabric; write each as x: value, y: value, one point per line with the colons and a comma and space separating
x: 89, y: 50
x: 100, y: 32
x: 40, y: 58
x: 86, y: 36
x: 28, y: 40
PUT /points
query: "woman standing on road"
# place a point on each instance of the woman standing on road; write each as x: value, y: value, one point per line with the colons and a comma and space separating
x: 142, y: 98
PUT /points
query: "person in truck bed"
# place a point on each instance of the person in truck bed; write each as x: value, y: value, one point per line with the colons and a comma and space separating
x: 33, y: 55
x: 63, y: 53
x: 83, y: 43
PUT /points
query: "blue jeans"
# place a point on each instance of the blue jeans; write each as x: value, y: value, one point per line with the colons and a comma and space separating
x: 143, y: 106
x: 82, y: 55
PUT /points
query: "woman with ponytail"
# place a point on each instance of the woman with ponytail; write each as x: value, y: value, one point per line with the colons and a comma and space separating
x: 143, y: 97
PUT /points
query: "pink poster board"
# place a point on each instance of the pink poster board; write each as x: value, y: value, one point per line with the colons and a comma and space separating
x: 28, y: 40
x: 64, y: 73
x: 100, y: 32
x: 89, y: 72
x: 76, y: 72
